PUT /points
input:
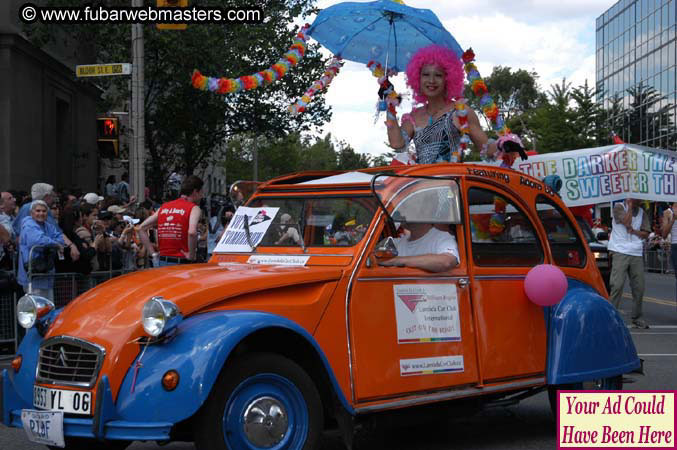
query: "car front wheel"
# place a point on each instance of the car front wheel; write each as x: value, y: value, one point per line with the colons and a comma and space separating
x: 261, y: 401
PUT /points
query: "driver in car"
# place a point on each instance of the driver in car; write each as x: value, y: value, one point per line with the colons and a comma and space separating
x: 424, y: 246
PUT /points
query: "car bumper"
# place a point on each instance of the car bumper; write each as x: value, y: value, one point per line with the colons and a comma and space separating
x: 103, y: 425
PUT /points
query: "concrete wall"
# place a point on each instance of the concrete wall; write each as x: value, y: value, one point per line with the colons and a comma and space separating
x: 47, y: 120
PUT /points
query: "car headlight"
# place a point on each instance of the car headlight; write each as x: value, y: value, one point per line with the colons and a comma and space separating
x: 32, y: 308
x: 597, y: 255
x: 159, y: 316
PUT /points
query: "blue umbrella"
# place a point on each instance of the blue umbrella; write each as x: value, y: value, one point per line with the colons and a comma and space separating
x: 384, y: 31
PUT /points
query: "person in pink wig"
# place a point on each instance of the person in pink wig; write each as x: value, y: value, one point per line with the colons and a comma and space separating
x: 435, y: 75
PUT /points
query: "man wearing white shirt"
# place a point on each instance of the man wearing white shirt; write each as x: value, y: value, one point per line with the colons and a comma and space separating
x: 631, y: 227
x: 425, y: 248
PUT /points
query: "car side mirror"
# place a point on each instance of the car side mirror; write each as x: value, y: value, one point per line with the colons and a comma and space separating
x: 386, y: 249
x: 602, y: 236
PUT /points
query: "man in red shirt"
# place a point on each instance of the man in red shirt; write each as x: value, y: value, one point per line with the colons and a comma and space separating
x: 177, y: 224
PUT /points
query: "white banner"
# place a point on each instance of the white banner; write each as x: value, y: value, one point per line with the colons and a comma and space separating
x: 426, y: 313
x: 234, y: 239
x: 604, y: 174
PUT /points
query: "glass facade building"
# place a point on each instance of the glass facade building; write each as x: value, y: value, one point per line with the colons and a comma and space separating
x: 636, y: 68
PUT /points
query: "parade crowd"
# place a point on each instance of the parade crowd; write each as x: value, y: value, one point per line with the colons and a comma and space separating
x: 48, y: 231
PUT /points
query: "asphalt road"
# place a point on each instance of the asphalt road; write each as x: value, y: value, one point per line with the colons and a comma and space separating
x: 528, y: 425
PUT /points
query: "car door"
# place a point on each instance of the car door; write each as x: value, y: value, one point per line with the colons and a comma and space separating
x: 411, y: 331
x: 503, y: 247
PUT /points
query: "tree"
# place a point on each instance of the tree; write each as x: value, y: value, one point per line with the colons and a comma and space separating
x: 589, y: 119
x: 513, y: 92
x: 348, y: 159
x: 185, y: 126
x: 649, y: 118
x: 383, y: 159
x: 552, y: 122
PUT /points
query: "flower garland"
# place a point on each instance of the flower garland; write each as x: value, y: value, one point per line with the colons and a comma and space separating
x: 462, y: 114
x: 330, y: 72
x: 244, y: 83
x: 479, y: 88
x: 389, y: 100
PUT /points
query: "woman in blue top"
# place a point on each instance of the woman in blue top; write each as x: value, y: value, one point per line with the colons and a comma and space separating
x: 36, y: 231
x: 435, y: 74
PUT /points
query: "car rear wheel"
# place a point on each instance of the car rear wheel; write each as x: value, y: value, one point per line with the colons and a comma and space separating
x: 261, y: 401
x: 602, y: 384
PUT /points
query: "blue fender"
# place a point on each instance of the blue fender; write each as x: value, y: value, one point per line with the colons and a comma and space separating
x: 18, y: 387
x: 587, y: 338
x: 197, y: 352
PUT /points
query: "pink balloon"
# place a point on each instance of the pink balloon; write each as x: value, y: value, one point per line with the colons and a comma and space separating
x: 545, y: 285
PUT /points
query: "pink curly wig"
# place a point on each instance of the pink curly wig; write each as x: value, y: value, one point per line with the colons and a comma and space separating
x: 440, y: 56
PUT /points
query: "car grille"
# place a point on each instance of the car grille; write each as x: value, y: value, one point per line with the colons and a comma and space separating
x: 69, y: 361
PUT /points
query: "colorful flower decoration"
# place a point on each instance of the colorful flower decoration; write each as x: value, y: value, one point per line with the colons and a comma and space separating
x: 462, y: 114
x: 330, y: 72
x: 479, y: 88
x: 265, y: 77
x: 389, y: 100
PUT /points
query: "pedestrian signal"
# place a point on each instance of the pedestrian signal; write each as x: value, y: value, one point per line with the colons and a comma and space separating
x: 107, y: 136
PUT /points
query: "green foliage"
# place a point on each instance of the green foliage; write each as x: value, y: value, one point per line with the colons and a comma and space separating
x: 514, y: 92
x: 287, y: 154
x: 648, y: 117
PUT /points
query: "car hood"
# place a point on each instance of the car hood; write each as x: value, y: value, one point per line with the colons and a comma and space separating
x: 110, y: 314
x: 116, y: 305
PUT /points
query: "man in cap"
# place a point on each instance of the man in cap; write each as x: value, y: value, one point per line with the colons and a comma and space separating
x: 117, y: 212
x: 92, y: 198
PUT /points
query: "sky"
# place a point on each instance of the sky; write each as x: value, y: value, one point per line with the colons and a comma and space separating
x: 554, y: 38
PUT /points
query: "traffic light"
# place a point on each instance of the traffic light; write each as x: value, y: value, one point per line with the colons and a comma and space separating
x: 172, y: 3
x: 107, y: 136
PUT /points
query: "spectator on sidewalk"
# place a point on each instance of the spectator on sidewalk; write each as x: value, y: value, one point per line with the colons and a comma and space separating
x: 631, y: 226
x: 109, y: 189
x: 122, y: 188
x: 92, y: 198
x: 7, y: 237
x: 36, y: 231
x: 71, y: 220
x: 177, y: 223
x: 669, y: 232
x: 44, y: 192
x: 89, y: 221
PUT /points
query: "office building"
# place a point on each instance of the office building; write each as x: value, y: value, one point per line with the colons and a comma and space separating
x: 635, y: 70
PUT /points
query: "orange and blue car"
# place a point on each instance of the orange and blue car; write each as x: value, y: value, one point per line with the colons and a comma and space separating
x: 294, y: 325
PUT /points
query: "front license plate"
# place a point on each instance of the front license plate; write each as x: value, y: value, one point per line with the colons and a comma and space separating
x: 76, y: 402
x: 43, y: 427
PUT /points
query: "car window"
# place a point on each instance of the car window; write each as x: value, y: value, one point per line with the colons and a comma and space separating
x: 317, y: 222
x: 567, y: 248
x: 501, y: 233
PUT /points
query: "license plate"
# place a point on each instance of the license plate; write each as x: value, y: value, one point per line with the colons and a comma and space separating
x: 76, y: 402
x: 43, y: 427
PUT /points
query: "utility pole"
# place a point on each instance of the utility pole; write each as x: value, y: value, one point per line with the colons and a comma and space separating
x: 137, y: 175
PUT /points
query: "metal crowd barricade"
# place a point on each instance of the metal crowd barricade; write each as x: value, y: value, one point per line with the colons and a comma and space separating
x: 8, y: 323
x: 66, y: 287
x: 658, y: 260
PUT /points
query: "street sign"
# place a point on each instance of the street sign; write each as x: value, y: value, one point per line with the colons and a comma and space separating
x: 103, y: 70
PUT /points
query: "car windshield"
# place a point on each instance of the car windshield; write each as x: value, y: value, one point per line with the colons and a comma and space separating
x: 316, y: 222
